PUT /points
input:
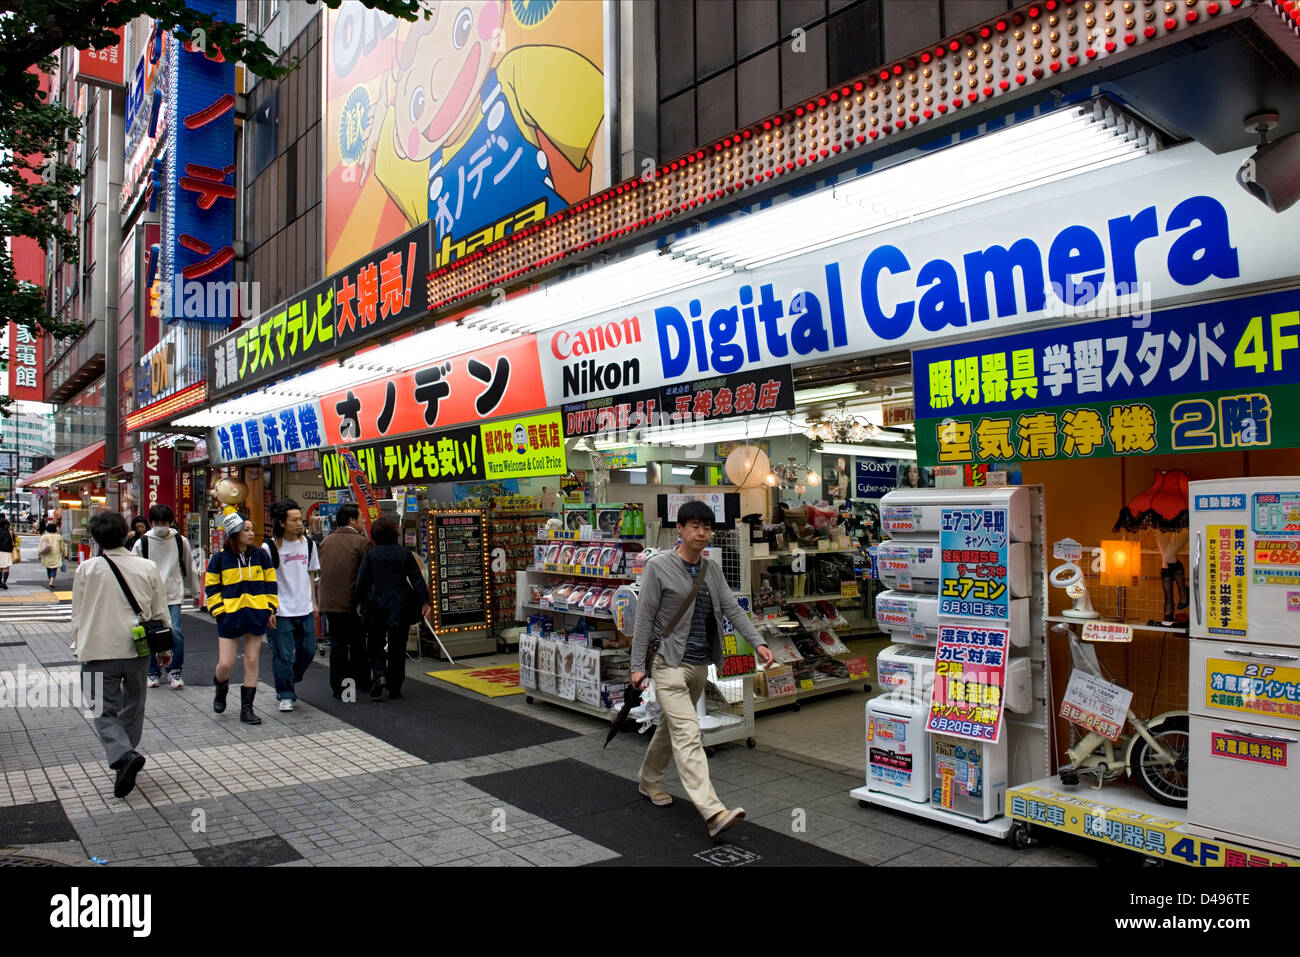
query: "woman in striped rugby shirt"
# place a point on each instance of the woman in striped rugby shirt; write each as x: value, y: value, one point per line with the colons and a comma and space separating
x: 241, y: 594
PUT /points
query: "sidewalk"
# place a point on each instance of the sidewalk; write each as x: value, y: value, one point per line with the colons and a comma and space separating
x: 441, y: 777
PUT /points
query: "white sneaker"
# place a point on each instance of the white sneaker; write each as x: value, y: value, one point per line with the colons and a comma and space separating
x: 154, y: 681
x: 286, y: 704
x: 176, y: 681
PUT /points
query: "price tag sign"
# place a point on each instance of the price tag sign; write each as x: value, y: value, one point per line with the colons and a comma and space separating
x: 905, y: 579
x: 849, y: 589
x: 1096, y: 704
x: 806, y: 684
x: 918, y: 631
x: 1067, y: 550
x: 857, y: 668
x: 1107, y: 631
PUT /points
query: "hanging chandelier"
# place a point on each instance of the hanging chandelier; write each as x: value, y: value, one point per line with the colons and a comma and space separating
x: 792, y: 475
x: 841, y: 426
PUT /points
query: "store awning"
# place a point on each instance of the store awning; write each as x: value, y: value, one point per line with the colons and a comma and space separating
x: 84, y: 464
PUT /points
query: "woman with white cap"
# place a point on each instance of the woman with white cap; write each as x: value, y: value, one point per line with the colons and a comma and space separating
x: 242, y: 596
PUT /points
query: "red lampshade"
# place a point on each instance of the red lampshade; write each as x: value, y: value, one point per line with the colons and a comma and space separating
x: 1163, y: 506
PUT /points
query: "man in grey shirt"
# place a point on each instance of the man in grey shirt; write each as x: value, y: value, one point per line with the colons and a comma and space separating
x: 680, y: 669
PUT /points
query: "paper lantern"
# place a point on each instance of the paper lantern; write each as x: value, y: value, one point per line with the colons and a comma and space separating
x: 1121, y: 562
x: 747, y: 466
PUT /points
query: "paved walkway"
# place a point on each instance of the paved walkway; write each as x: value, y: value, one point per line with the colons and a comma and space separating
x: 442, y: 777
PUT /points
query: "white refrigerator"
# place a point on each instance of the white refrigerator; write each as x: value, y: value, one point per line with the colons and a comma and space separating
x: 1244, y: 661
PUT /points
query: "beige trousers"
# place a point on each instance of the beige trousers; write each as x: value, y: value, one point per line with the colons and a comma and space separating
x: 678, y: 735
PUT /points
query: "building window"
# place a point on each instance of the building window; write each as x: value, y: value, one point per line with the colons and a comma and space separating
x: 265, y: 135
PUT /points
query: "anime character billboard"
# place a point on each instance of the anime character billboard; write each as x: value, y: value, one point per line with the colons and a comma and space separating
x: 484, y: 118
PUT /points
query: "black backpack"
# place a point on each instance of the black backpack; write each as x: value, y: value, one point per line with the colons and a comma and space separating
x: 180, y: 549
x: 275, y: 552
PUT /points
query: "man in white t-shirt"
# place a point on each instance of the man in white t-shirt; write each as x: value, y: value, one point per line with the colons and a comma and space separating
x: 291, y: 630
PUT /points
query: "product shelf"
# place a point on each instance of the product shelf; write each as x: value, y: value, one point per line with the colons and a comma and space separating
x: 808, y: 552
x: 560, y: 611
x: 559, y: 570
x: 1135, y: 625
x: 828, y: 596
x: 1119, y: 816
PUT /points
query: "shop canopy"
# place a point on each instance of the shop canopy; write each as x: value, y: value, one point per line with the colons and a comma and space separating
x: 84, y: 464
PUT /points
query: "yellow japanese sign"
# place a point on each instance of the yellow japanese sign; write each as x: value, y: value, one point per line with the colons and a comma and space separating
x: 526, y: 446
x: 1264, y: 690
x: 1225, y: 564
x: 1145, y: 834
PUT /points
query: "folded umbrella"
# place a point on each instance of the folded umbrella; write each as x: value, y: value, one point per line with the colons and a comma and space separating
x: 631, y: 698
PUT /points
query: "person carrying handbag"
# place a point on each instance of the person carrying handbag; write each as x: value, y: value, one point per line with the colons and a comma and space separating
x: 678, y: 632
x: 51, y: 551
x: 9, y: 553
x: 111, y: 596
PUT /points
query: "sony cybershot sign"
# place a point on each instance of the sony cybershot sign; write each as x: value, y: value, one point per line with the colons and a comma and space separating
x: 1113, y: 243
x: 198, y: 168
x: 370, y: 298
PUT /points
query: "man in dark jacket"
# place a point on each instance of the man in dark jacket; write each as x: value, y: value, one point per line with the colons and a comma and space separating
x: 393, y: 596
x: 340, y: 560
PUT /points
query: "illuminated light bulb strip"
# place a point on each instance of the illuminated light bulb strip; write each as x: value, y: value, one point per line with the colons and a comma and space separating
x: 1038, y: 42
x: 1289, y: 11
x: 163, y: 409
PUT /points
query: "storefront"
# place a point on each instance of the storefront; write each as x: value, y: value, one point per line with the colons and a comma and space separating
x: 73, y: 488
x: 892, y: 351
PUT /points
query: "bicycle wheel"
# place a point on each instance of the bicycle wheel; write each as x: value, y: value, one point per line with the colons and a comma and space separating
x: 1167, y: 783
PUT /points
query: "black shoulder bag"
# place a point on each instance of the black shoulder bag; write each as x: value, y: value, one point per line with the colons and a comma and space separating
x: 157, y: 633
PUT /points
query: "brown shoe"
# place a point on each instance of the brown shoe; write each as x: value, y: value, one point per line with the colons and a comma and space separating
x: 725, y: 819
x: 658, y: 796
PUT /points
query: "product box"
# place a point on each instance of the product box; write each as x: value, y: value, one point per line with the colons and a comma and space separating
x: 576, y: 516
x: 775, y: 682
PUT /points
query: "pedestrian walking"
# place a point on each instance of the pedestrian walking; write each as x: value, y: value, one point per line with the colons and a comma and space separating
x: 168, y: 549
x: 683, y: 600
x: 51, y: 552
x: 241, y: 590
x: 103, y: 621
x: 8, y: 545
x: 291, y: 629
x: 340, y: 561
x: 139, y: 529
x: 393, y: 596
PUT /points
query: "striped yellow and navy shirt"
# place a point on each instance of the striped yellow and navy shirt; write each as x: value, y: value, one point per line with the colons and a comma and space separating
x: 241, y: 591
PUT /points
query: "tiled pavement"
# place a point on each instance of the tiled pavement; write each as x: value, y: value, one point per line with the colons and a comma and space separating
x: 307, y: 788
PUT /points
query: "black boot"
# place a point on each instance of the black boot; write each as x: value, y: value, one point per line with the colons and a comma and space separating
x: 246, y: 696
x: 1180, y: 584
x: 1167, y: 584
x: 219, y: 698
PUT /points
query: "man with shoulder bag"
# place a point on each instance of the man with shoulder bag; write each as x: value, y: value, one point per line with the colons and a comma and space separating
x: 120, y: 616
x: 678, y: 632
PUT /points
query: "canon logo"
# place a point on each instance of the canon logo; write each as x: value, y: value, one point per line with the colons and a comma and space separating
x: 585, y: 342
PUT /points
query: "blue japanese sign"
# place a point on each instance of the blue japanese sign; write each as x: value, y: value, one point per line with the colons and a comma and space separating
x: 273, y: 433
x: 1249, y: 343
x: 198, y: 215
x: 973, y: 581
x: 1219, y: 503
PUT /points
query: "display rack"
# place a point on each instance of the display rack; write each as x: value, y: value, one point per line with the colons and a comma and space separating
x: 1028, y: 734
x: 512, y: 531
x: 732, y: 713
x: 815, y: 689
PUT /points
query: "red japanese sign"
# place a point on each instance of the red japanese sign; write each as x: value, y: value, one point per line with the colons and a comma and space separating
x: 103, y: 67
x: 26, y: 359
x: 158, y: 478
x: 498, y: 381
